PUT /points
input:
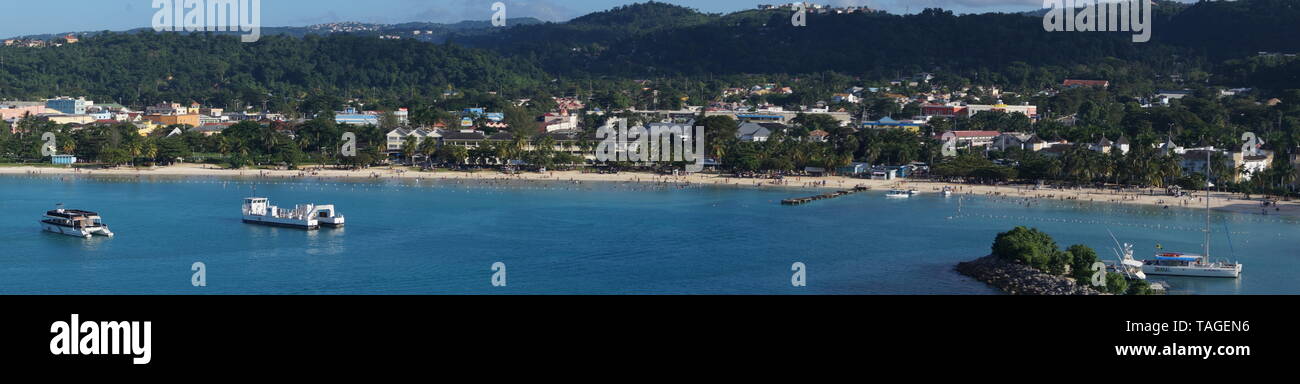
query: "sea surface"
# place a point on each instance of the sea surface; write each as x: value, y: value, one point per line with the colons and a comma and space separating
x: 443, y: 237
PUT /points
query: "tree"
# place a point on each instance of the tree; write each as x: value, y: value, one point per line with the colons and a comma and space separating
x: 1082, y: 258
x: 1116, y: 283
x: 1027, y: 246
x: 410, y: 147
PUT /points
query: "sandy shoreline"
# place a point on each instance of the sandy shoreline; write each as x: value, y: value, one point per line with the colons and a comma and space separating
x: 1221, y: 201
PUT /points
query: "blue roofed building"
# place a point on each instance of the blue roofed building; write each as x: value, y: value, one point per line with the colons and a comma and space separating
x: 889, y: 123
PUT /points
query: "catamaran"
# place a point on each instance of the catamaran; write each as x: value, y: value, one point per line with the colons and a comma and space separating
x: 74, y: 222
x: 258, y: 210
x: 1181, y: 264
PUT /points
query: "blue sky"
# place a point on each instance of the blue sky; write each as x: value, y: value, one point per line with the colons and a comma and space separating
x: 27, y: 17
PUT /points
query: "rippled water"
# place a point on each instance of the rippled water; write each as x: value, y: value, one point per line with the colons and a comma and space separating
x: 423, y: 237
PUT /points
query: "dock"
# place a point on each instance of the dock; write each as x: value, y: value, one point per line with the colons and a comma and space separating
x: 827, y: 196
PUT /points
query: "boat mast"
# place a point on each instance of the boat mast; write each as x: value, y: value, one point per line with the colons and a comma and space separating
x: 1207, y: 204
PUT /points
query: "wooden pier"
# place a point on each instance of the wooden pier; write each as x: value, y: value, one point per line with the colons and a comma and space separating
x: 832, y: 195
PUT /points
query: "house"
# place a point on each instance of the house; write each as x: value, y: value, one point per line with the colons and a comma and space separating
x: 1011, y: 140
x: 1071, y: 84
x: 755, y: 132
x: 819, y: 136
x: 1123, y: 145
x: 1103, y: 146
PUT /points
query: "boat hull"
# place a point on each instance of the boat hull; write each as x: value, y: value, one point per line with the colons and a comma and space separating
x: 1192, y: 271
x: 74, y: 232
x: 282, y: 223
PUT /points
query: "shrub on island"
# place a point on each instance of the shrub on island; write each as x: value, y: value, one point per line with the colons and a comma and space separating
x: 1036, y: 249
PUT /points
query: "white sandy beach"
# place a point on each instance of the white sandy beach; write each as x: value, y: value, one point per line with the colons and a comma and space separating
x: 1221, y: 201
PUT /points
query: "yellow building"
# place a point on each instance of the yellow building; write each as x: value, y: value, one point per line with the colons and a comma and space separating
x: 70, y: 119
x: 191, y: 120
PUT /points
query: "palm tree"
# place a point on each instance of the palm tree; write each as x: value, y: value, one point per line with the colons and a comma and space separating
x: 409, y: 147
x: 428, y: 147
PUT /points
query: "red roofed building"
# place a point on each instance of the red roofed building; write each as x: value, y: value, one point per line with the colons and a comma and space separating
x: 948, y: 111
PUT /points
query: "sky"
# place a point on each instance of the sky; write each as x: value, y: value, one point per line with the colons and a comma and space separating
x: 30, y: 17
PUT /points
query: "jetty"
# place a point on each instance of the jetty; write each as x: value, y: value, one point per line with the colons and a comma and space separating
x: 827, y: 196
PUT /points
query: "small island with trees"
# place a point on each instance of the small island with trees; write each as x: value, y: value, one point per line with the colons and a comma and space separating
x: 1027, y: 261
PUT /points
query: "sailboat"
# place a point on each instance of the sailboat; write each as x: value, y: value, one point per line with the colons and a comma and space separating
x: 1182, y: 264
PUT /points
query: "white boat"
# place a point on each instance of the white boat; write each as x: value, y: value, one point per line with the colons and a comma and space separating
x: 947, y: 192
x: 77, y: 223
x: 1180, y: 264
x: 900, y: 194
x: 258, y: 210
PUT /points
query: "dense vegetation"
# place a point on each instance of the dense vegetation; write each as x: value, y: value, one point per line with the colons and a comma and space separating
x: 1036, y: 249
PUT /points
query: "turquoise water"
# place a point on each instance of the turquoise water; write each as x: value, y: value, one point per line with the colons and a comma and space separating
x: 425, y: 237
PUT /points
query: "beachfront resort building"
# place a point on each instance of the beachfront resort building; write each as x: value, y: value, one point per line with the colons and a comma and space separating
x: 397, y: 137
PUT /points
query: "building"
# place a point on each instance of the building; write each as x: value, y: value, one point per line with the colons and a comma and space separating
x: 889, y: 123
x: 69, y: 119
x: 1123, y: 145
x: 1027, y: 110
x: 943, y: 110
x: 1071, y: 84
x: 1104, y: 145
x: 773, y: 115
x: 845, y: 98
x: 819, y: 136
x: 63, y: 159
x: 186, y: 119
x: 10, y: 111
x: 397, y: 137
x: 1295, y: 163
x: 69, y: 106
x: 463, y: 138
x: 211, y: 129
x: 351, y: 116
x: 1246, y: 166
x: 756, y: 132
x: 976, y: 138
x: 1012, y: 140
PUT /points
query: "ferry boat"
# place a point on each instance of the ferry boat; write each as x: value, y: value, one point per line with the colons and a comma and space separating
x: 259, y: 211
x: 900, y: 194
x: 72, y: 222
